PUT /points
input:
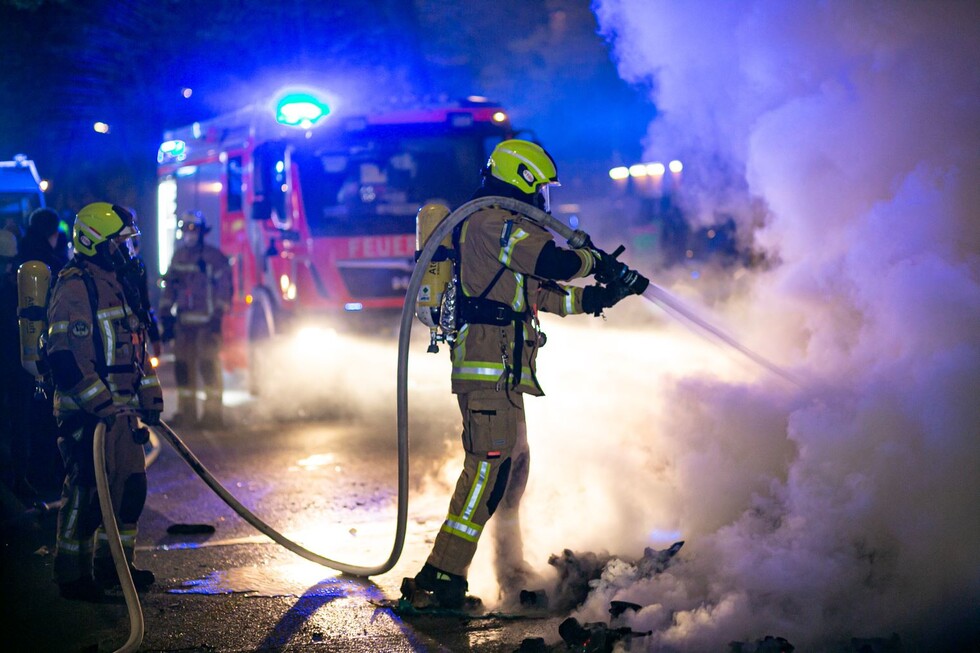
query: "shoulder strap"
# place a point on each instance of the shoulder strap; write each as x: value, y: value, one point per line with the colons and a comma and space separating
x: 93, y: 299
x: 457, y: 264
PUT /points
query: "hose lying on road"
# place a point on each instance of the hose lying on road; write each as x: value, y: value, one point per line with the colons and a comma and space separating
x: 168, y: 434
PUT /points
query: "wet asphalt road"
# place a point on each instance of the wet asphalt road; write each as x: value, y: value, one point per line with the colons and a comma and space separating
x: 327, y: 483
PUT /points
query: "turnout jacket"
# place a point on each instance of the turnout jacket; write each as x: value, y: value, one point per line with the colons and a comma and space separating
x: 198, y: 283
x: 498, y: 250
x: 96, y: 345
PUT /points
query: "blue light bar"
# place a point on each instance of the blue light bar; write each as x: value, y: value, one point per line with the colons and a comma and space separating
x: 353, y: 306
x: 300, y: 110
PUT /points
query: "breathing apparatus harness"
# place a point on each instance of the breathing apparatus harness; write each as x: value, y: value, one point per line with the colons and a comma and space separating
x: 481, y: 310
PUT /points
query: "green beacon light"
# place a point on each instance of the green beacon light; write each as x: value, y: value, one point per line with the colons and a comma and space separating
x: 300, y: 110
x: 172, y: 151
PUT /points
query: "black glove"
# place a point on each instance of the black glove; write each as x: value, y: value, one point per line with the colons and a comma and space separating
x: 141, y: 435
x: 607, y: 269
x: 167, y: 321
x: 596, y: 298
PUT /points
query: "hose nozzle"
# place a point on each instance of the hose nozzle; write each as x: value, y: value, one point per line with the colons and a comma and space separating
x: 611, y: 270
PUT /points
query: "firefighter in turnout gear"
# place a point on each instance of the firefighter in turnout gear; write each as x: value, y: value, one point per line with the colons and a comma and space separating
x: 197, y: 292
x: 96, y: 351
x: 509, y: 269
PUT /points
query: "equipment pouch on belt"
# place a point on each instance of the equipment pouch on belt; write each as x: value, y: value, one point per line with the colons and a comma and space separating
x: 491, y: 426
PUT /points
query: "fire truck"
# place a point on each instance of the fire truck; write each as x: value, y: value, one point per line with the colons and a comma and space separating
x: 316, y: 208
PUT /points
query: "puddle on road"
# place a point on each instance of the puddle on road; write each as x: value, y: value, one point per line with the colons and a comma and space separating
x: 300, y: 578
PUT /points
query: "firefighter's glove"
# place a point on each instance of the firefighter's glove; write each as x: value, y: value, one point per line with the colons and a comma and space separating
x: 141, y: 435
x: 597, y: 298
x: 607, y: 268
x: 167, y: 321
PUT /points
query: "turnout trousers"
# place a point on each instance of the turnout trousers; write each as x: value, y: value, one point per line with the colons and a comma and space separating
x: 80, y: 532
x: 197, y: 351
x: 493, y: 480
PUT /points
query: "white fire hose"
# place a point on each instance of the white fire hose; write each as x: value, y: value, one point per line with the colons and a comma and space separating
x: 115, y: 544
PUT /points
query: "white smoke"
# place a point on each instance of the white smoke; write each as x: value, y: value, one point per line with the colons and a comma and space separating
x: 848, y: 507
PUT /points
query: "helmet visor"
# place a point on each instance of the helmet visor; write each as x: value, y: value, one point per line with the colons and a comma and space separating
x: 544, y: 191
x: 129, y: 228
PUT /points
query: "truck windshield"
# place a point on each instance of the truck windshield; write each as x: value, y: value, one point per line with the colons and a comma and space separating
x: 375, y: 186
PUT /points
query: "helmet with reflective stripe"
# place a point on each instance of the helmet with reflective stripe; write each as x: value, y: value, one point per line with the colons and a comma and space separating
x: 99, y: 222
x: 522, y: 164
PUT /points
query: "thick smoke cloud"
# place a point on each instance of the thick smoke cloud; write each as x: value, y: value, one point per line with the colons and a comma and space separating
x: 844, y: 138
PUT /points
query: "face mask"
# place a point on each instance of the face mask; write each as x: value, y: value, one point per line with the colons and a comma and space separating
x: 119, y: 256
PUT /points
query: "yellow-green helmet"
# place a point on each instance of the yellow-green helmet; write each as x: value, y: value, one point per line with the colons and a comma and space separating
x: 98, y: 222
x: 522, y: 164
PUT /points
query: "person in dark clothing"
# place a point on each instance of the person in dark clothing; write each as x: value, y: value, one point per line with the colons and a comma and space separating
x: 44, y: 241
x: 14, y: 432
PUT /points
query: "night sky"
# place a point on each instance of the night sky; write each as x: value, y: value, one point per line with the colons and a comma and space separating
x: 128, y: 64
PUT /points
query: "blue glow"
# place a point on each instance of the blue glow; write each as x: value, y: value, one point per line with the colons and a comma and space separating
x: 353, y: 306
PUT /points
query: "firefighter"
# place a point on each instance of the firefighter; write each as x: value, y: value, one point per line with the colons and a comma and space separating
x: 508, y: 269
x: 197, y: 292
x: 96, y: 350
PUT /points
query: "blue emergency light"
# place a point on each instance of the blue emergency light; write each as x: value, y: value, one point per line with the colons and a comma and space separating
x: 300, y: 110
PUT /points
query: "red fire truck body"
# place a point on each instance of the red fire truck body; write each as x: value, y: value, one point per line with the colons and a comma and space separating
x: 318, y: 220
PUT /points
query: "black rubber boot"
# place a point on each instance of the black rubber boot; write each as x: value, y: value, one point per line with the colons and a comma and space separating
x: 446, y: 590
x: 83, y: 589
x: 105, y: 574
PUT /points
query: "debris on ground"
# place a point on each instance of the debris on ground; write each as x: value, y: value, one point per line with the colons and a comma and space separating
x: 190, y: 529
x: 595, y: 637
x: 576, y: 571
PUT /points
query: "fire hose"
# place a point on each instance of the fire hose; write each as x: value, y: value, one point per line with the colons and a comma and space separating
x: 115, y: 544
x: 575, y: 239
